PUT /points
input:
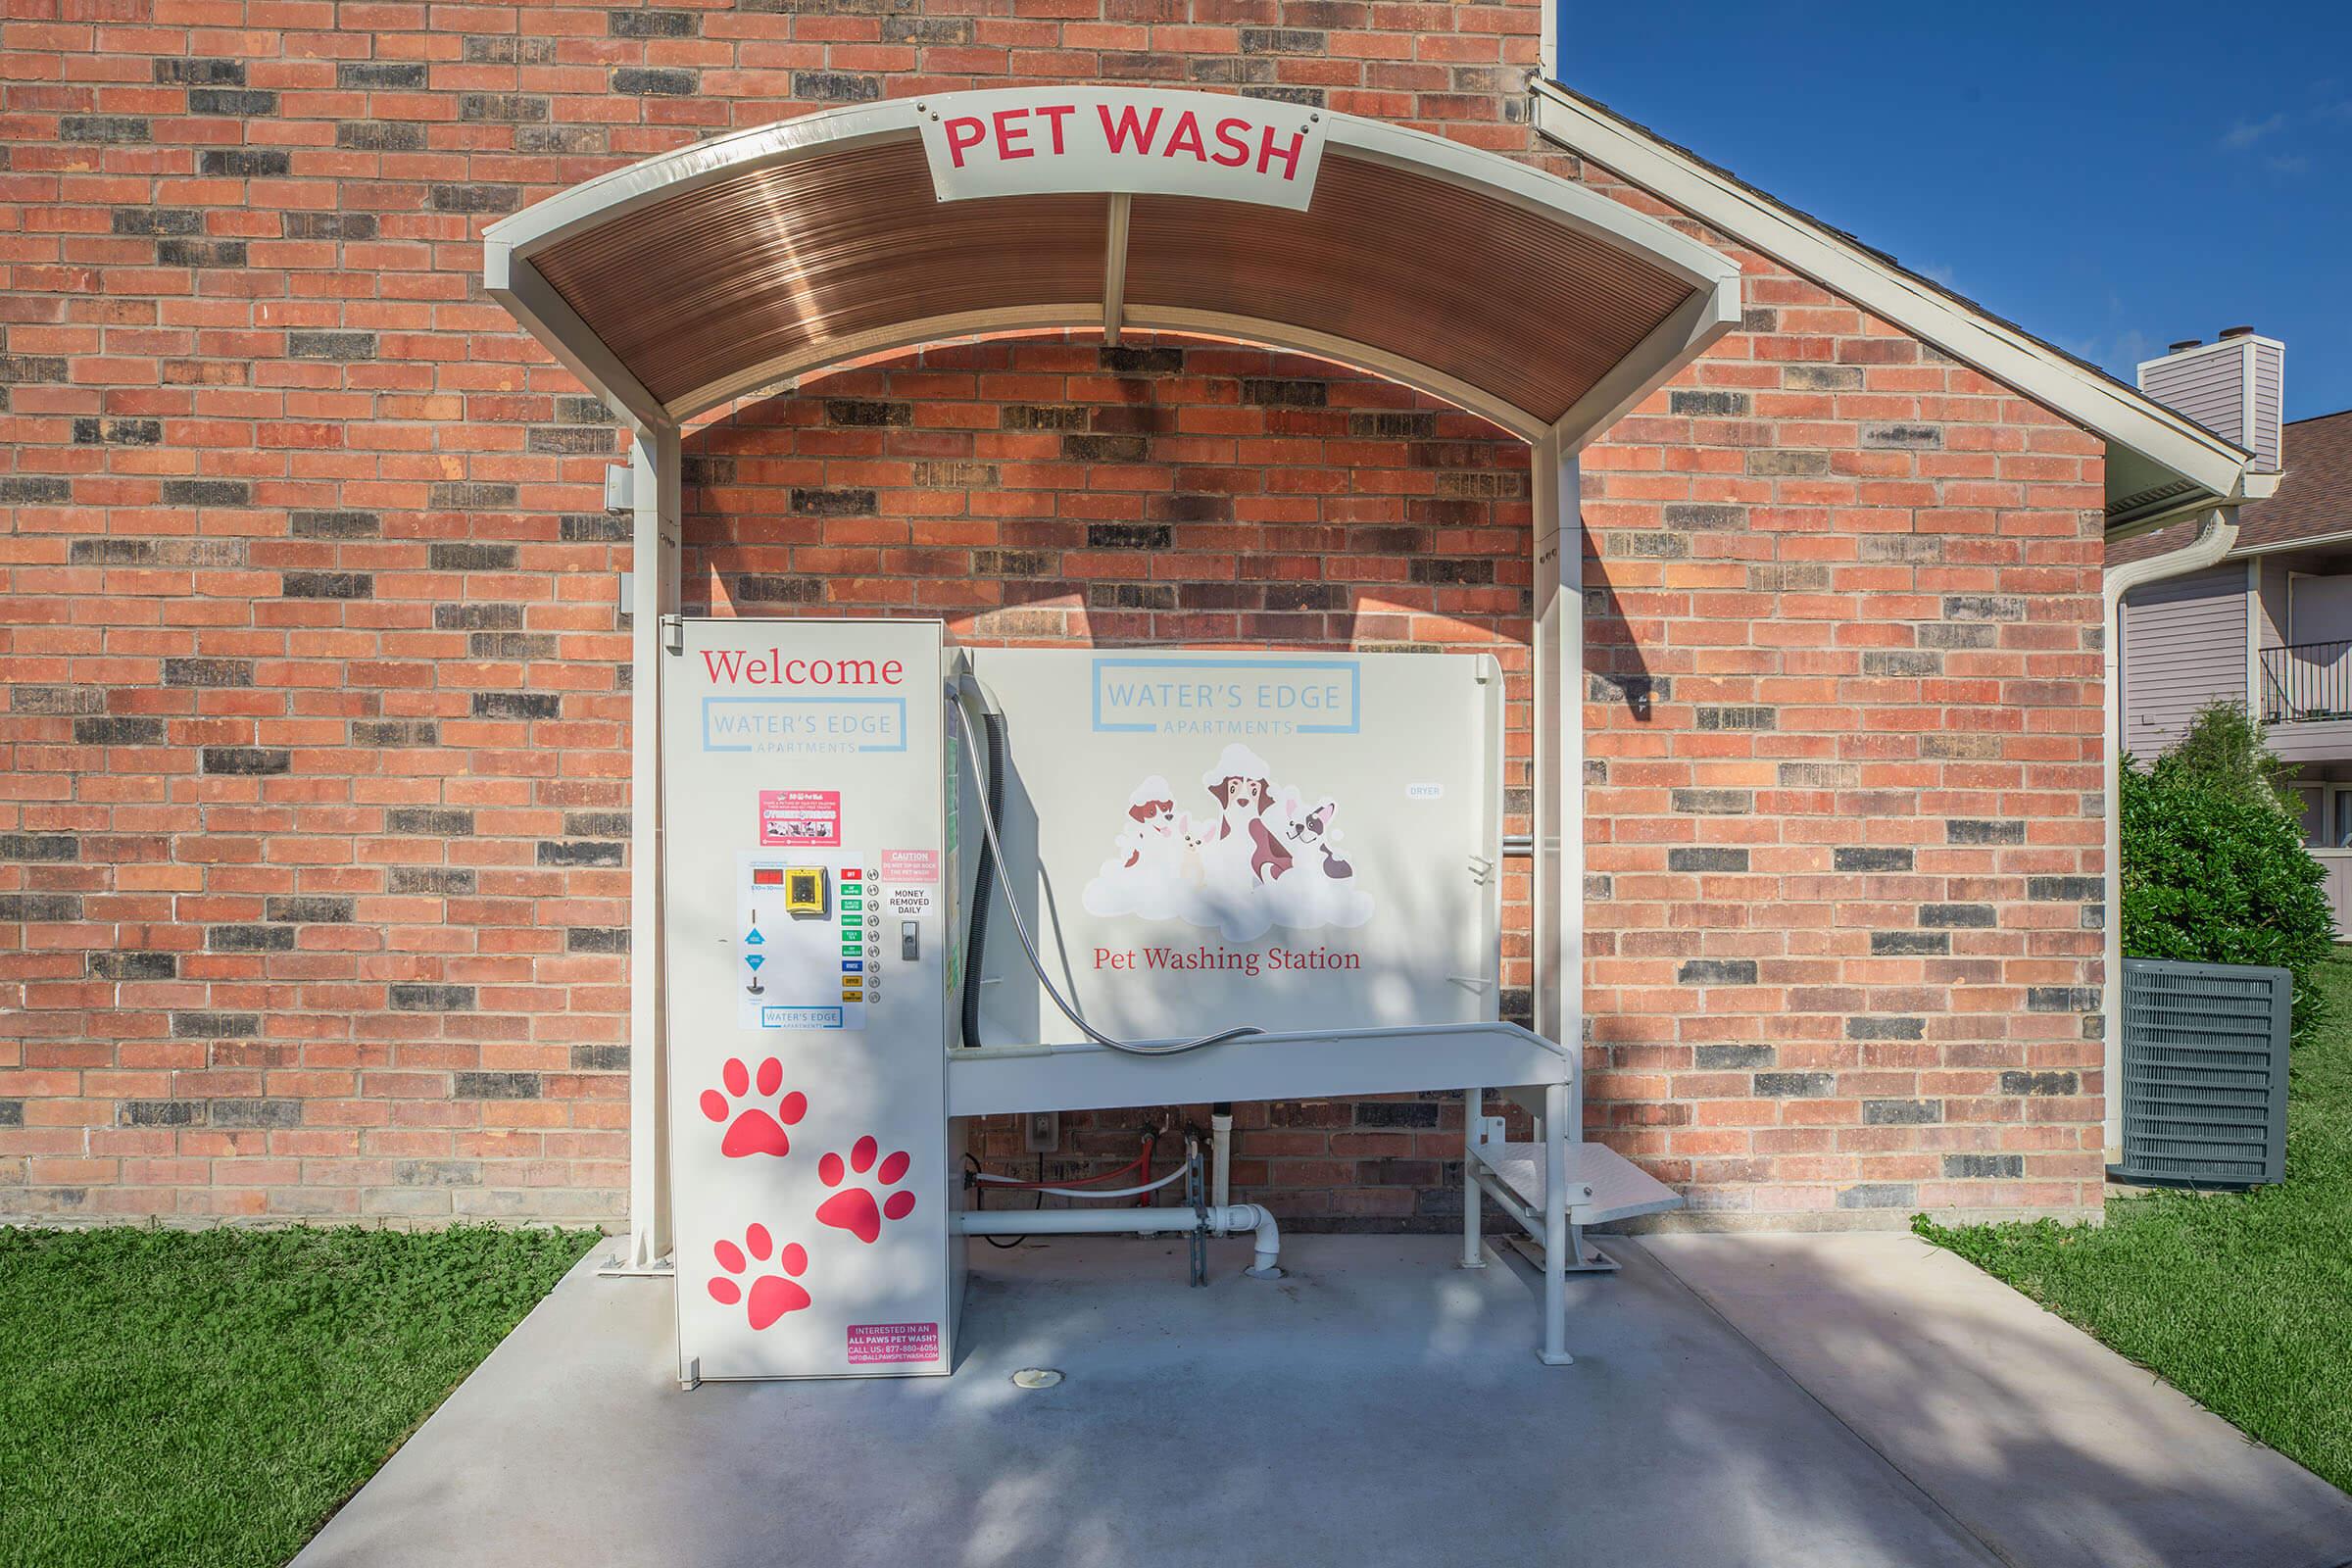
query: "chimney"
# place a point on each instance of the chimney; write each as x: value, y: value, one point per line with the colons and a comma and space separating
x: 2233, y: 386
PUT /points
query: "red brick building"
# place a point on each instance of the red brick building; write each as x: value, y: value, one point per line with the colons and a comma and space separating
x: 315, y: 864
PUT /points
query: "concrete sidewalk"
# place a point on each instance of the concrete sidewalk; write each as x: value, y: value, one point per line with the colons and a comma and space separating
x: 2043, y: 1444
x: 1378, y: 1406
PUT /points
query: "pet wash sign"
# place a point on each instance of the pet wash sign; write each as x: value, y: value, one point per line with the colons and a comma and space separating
x: 1029, y: 141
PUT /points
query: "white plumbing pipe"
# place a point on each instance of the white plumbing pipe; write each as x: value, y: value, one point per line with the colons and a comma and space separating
x: 1129, y: 1222
x: 1169, y: 1179
x: 1220, y: 1158
x: 2217, y: 532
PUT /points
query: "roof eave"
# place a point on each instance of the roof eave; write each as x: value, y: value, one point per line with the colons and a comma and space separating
x: 2210, y: 471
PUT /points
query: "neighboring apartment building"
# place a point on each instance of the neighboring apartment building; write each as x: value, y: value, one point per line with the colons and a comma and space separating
x: 2270, y: 623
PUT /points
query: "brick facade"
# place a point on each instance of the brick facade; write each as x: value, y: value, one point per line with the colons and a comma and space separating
x: 313, y: 860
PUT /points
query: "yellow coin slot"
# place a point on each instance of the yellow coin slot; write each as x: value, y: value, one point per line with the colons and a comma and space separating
x: 805, y: 891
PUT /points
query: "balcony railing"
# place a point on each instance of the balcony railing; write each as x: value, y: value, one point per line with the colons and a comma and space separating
x: 2306, y: 681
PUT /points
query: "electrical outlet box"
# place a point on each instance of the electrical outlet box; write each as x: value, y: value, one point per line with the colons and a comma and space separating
x: 1041, y: 1132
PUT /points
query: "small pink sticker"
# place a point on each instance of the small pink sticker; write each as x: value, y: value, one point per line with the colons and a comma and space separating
x: 873, y: 1344
x: 800, y: 818
x: 918, y: 866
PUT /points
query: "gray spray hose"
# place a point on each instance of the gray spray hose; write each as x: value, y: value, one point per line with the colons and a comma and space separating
x: 984, y: 882
x: 1013, y: 906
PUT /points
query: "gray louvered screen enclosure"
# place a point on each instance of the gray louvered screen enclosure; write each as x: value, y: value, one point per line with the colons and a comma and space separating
x: 2204, y: 1090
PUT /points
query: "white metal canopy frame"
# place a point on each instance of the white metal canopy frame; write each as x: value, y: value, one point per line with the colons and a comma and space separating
x: 742, y: 265
x: 732, y: 265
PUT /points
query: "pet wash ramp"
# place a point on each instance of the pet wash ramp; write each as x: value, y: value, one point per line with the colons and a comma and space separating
x: 1602, y: 1184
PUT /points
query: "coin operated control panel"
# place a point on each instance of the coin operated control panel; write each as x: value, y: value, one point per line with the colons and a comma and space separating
x: 808, y: 879
x: 811, y: 956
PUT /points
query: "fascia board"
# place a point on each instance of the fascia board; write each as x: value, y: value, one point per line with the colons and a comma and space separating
x: 2036, y: 372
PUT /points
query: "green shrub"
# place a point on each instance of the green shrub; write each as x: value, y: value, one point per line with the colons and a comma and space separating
x: 2218, y: 874
x: 2225, y: 748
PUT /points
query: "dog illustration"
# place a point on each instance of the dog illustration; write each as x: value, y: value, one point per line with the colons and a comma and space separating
x: 1191, y: 837
x: 1153, y: 820
x: 1249, y: 852
x: 1243, y: 822
x: 1309, y: 836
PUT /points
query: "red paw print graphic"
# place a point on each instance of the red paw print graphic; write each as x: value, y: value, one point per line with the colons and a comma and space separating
x: 854, y: 1208
x: 754, y: 1130
x: 773, y: 1295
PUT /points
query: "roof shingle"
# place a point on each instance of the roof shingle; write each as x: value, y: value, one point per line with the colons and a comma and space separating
x: 2314, y: 499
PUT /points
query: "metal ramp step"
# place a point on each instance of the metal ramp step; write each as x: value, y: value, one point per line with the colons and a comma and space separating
x: 1602, y: 1184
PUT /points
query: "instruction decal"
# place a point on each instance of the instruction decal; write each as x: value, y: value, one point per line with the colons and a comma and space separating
x: 909, y: 865
x: 800, y: 818
x: 877, y: 1344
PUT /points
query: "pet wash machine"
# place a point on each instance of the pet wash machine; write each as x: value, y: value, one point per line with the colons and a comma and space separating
x: 907, y: 884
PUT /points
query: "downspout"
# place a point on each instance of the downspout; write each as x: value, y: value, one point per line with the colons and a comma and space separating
x: 2217, y: 532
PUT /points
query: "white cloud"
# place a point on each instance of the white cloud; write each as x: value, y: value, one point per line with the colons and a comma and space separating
x: 2119, y: 351
x: 2246, y: 132
x: 2289, y: 163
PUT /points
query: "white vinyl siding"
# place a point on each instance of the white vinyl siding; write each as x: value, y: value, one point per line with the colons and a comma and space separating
x: 2271, y: 607
x: 2209, y: 387
x: 2185, y: 646
x: 2269, y: 404
x: 2319, y: 610
x: 2236, y: 388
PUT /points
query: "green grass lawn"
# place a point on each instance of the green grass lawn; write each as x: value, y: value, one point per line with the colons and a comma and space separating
x: 2241, y: 1302
x: 211, y: 1396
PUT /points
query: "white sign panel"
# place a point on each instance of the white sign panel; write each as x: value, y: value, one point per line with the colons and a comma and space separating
x: 1286, y: 839
x: 1027, y: 141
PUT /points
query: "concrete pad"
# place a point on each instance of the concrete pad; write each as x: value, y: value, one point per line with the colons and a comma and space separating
x: 1378, y: 1406
x: 2046, y: 1445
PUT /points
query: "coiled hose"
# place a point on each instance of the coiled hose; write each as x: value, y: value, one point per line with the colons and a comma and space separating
x: 1020, y: 928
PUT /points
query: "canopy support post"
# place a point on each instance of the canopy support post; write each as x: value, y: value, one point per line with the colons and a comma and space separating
x: 1115, y: 268
x: 1559, y: 735
x: 1558, y: 892
x: 654, y: 484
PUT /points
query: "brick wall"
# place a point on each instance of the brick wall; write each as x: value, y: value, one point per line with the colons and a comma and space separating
x: 1844, y: 784
x: 1051, y: 491
x: 313, y: 857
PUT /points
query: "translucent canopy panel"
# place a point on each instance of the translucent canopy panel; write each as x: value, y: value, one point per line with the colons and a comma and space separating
x: 730, y: 267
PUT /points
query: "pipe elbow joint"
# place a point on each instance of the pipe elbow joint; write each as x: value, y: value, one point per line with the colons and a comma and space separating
x: 1266, y: 1243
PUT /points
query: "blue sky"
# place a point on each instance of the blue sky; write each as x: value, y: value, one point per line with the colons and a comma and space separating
x: 2112, y: 177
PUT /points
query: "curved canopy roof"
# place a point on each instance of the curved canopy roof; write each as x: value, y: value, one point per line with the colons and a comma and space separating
x: 741, y: 264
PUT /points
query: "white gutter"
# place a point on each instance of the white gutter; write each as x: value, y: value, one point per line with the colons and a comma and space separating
x: 2216, y: 531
